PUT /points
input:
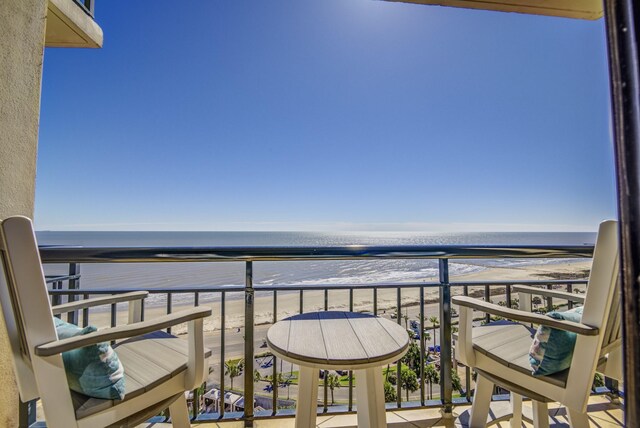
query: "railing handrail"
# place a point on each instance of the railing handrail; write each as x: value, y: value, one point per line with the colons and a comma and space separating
x: 307, y: 287
x: 76, y: 254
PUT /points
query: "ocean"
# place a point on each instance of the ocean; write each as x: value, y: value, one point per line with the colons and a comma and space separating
x: 156, y: 275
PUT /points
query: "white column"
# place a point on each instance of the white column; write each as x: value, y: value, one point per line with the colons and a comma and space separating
x: 370, y: 398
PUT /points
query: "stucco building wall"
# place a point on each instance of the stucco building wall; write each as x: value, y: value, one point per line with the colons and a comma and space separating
x: 22, y: 33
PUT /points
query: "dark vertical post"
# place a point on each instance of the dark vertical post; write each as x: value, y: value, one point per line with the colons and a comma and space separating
x: 223, y: 328
x: 399, y: 363
x: 508, y: 295
x: 350, y: 371
x: 113, y: 314
x: 56, y: 299
x: 74, y: 284
x: 467, y: 370
x: 421, y: 334
x: 113, y: 318
x: 375, y: 301
x: 26, y: 413
x: 248, y: 344
x: 85, y: 313
x: 622, y: 35
x: 570, y: 290
x: 549, y: 299
x: 487, y: 297
x: 274, y: 373
x: 445, y: 337
x: 613, y: 387
x: 169, y: 307
x: 326, y: 372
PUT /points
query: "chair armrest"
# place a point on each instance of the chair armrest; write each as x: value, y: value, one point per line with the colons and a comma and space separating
x: 517, y: 315
x: 121, y: 332
x: 98, y: 301
x: 548, y: 293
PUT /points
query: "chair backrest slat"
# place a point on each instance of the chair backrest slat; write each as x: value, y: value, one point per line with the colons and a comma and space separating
x: 612, y: 332
x: 601, y: 304
x: 25, y: 302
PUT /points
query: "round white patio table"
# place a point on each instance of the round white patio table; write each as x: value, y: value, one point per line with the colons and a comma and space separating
x: 339, y: 341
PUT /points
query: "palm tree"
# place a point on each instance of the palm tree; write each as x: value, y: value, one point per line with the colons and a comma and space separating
x: 408, y: 380
x: 432, y: 376
x: 333, y: 381
x: 412, y: 357
x: 434, y: 324
x: 456, y: 383
x: 233, y: 368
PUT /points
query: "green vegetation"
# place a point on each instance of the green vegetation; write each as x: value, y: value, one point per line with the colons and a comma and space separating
x: 233, y: 368
x: 333, y: 381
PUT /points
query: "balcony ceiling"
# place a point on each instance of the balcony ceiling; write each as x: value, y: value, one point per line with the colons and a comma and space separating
x: 69, y: 26
x: 581, y: 9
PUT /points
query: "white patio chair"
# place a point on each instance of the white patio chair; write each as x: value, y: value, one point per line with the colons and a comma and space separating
x: 159, y: 368
x: 499, y: 353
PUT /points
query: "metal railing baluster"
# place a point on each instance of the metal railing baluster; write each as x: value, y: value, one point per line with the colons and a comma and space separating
x: 169, y: 307
x: 325, y: 406
x: 399, y: 363
x: 467, y: 369
x: 487, y: 298
x: 422, y: 347
x: 375, y: 301
x: 350, y: 371
x: 85, y: 313
x: 445, y: 338
x: 222, y: 350
x: 274, y: 372
x: 73, y: 284
x: 249, y: 297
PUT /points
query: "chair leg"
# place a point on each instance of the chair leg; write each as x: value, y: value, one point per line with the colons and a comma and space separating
x: 516, y: 409
x: 481, y: 402
x: 540, y: 414
x: 179, y: 413
x: 578, y: 419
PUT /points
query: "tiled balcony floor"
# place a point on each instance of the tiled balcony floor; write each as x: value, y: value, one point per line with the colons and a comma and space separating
x: 602, y: 413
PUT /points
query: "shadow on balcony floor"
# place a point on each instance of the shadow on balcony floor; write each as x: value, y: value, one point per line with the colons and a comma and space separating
x: 602, y: 414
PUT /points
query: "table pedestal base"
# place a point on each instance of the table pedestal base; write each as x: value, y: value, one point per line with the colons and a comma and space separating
x: 369, y: 396
x: 307, y: 406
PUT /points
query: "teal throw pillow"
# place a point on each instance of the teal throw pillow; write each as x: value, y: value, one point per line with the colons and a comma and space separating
x: 94, y: 370
x: 552, y: 349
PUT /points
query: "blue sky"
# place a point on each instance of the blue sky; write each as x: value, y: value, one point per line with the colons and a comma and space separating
x: 326, y: 115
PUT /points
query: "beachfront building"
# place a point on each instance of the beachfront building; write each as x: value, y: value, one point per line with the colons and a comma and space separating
x: 28, y: 26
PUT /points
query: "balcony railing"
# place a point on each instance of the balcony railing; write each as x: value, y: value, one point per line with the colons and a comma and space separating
x: 498, y: 291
